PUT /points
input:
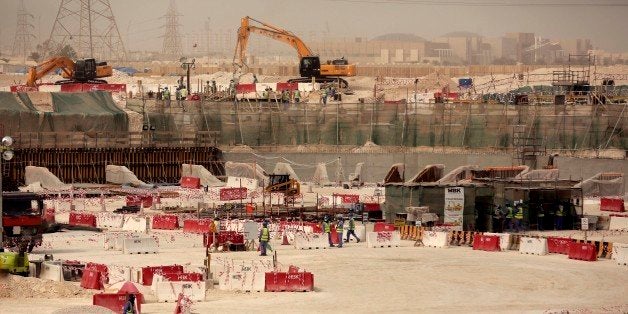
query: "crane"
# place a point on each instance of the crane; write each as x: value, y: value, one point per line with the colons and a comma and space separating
x: 309, y: 64
x: 87, y: 70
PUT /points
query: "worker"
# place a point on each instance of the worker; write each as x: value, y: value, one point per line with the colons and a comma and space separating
x: 324, y: 97
x: 264, y: 237
x: 297, y: 96
x: 327, y: 229
x: 285, y: 96
x: 214, y: 87
x: 509, y: 216
x: 540, y: 219
x: 129, y: 306
x: 340, y: 225
x: 232, y: 87
x: 498, y: 218
x: 166, y: 96
x: 184, y: 93
x: 519, y: 218
x: 332, y: 92
x: 254, y: 79
x: 560, y: 214
x: 351, y: 229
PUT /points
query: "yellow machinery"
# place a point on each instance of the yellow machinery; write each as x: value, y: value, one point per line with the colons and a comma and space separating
x: 309, y: 66
x: 282, y: 183
x: 81, y: 71
x: 14, y: 263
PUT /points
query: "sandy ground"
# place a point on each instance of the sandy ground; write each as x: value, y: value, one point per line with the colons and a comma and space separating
x: 359, y: 279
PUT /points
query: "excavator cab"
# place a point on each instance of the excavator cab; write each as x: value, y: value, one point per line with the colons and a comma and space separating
x: 310, y: 67
x: 283, y: 184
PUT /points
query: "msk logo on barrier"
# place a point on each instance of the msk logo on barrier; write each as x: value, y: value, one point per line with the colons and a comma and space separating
x: 453, y: 190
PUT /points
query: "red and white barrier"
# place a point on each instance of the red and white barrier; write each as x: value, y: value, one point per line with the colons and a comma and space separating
x: 242, y: 281
x: 504, y: 239
x: 165, y: 222
x: 438, y: 239
x: 289, y: 282
x: 382, y: 239
x: 488, y: 243
x: 536, y: 246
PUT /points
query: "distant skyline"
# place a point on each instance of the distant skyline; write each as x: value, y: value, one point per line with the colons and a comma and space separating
x: 605, y: 22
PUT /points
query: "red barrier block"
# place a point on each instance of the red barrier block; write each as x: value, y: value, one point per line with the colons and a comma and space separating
x: 582, y: 251
x: 102, y: 268
x: 198, y: 225
x: 315, y: 227
x: 91, y: 279
x: 190, y: 182
x: 165, y: 222
x: 334, y: 235
x: 282, y: 86
x: 230, y: 194
x: 183, y: 276
x: 116, y: 301
x: 223, y: 237
x: 382, y: 226
x: 49, y: 215
x: 558, y: 245
x: 245, y: 88
x: 612, y: 204
x: 292, y: 282
x: 150, y: 271
x: 486, y: 243
x: 82, y: 219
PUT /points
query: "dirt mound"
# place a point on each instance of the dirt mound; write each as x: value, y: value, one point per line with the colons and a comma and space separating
x: 28, y: 287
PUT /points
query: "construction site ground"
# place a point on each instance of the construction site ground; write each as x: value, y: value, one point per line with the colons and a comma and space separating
x: 360, y: 279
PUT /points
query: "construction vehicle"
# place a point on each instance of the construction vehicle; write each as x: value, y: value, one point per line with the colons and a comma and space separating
x: 22, y: 221
x: 281, y: 183
x: 79, y: 71
x: 15, y: 263
x: 309, y: 65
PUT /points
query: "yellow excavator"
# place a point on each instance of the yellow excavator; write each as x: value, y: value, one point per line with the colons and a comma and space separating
x: 79, y: 71
x: 281, y: 183
x: 309, y: 65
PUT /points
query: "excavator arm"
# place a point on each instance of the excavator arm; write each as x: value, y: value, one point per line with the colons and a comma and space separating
x: 269, y: 31
x: 37, y: 72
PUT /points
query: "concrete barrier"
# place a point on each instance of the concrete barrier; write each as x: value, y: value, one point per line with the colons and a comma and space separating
x: 618, y: 223
x: 383, y: 239
x: 140, y: 245
x: 168, y: 291
x: 246, y: 281
x: 135, y: 224
x: 620, y: 255
x: 109, y: 220
x: 436, y: 239
x: 504, y: 239
x: 303, y: 241
x: 119, y: 273
x: 51, y: 271
x: 536, y: 246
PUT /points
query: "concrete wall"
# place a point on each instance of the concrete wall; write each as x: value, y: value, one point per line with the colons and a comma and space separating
x: 376, y: 165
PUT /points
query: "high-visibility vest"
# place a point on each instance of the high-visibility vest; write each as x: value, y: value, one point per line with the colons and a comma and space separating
x: 541, y: 214
x: 327, y: 227
x: 519, y: 214
x: 265, y: 235
x: 560, y: 211
x: 339, y: 227
x: 351, y: 224
x: 297, y: 94
x: 510, y: 213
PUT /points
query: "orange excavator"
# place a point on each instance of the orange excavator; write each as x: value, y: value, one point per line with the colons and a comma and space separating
x: 309, y: 65
x: 79, y: 71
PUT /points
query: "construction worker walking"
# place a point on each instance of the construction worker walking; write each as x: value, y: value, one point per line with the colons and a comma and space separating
x: 264, y: 237
x: 560, y: 214
x: 327, y: 229
x: 297, y: 96
x: 351, y: 230
x: 340, y: 229
x: 129, y: 306
x: 166, y: 96
x: 509, y: 216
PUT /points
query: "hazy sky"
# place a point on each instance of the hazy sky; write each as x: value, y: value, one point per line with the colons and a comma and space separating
x: 605, y: 22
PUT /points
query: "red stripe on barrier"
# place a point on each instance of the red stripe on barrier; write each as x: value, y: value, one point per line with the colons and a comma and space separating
x: 382, y: 226
x: 289, y: 282
x: 150, y: 271
x: 183, y: 276
x: 81, y: 219
x: 165, y: 222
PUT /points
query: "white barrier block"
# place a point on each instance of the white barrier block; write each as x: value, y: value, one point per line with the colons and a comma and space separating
x: 620, y: 255
x: 136, y: 224
x: 383, y: 239
x: 119, y: 273
x: 140, y: 245
x: 250, y: 230
x: 618, y: 223
x: 51, y: 271
x: 436, y: 239
x: 504, y: 239
x: 304, y: 241
x: 360, y: 231
x: 246, y: 281
x: 109, y: 220
x: 168, y: 291
x: 533, y: 246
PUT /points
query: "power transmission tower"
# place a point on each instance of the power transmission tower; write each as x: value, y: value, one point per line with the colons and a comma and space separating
x: 23, y: 32
x: 172, y: 37
x: 90, y: 28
